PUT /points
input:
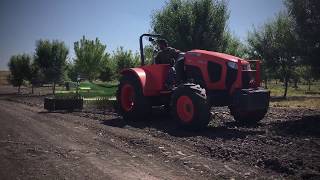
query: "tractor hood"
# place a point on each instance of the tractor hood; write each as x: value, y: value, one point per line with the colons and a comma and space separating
x: 215, y: 55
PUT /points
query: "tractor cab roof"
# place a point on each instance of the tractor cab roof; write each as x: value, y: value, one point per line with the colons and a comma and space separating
x: 222, y: 56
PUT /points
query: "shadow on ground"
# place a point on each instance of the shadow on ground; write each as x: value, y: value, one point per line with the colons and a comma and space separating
x: 163, y: 122
x: 307, y: 126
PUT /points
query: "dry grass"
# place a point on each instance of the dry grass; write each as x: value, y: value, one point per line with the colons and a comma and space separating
x: 302, y: 102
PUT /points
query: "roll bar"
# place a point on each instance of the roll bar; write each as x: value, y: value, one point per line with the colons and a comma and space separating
x: 141, y: 44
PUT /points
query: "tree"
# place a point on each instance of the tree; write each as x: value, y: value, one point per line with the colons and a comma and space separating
x: 35, y: 77
x: 71, y: 71
x: 51, y: 57
x: 124, y: 59
x: 20, y: 69
x: 306, y: 14
x: 148, y: 54
x: 89, y: 57
x: 305, y: 72
x: 192, y: 24
x: 107, y: 69
x: 276, y: 45
x: 234, y: 46
x: 260, y: 47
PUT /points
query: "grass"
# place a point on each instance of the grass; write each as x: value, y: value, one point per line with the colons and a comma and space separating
x: 97, y: 89
x: 299, y: 97
x: 302, y: 90
x: 302, y: 102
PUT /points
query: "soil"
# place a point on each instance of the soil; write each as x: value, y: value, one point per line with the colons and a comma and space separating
x: 95, y: 144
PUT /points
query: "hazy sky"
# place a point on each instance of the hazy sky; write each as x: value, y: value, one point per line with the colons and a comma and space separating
x: 115, y: 22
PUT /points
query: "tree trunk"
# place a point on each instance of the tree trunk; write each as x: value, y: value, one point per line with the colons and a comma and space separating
x: 19, y: 89
x: 54, y: 88
x: 286, y: 80
x: 32, y: 89
x: 309, y: 85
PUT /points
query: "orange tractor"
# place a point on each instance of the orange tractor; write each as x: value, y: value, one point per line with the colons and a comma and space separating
x: 204, y: 79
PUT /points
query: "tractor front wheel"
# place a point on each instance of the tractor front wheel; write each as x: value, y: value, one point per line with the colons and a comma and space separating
x: 132, y: 104
x: 189, y: 106
x: 248, y: 117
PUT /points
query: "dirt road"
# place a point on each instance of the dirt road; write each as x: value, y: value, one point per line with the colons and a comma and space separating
x: 35, y: 144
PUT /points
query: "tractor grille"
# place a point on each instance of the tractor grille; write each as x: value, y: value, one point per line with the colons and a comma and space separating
x: 245, y: 79
x: 231, y: 77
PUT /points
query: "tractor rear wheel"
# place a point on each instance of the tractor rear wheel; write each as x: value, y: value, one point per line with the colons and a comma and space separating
x: 189, y: 106
x: 132, y: 104
x: 248, y: 117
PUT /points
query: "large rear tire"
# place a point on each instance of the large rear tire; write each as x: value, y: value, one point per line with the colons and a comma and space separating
x: 189, y: 106
x: 132, y: 104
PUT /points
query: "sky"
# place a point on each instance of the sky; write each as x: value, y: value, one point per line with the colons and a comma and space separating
x: 115, y: 22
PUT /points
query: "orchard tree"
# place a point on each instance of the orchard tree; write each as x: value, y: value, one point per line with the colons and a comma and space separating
x: 306, y: 14
x: 107, y: 69
x: 192, y: 24
x: 234, y: 46
x: 276, y: 45
x: 71, y: 71
x: 90, y: 55
x: 260, y: 47
x: 148, y: 54
x: 124, y: 59
x: 20, y: 69
x: 305, y: 72
x: 35, y: 77
x: 50, y: 57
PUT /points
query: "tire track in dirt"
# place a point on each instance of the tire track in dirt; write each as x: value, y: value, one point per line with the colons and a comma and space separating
x: 89, y: 154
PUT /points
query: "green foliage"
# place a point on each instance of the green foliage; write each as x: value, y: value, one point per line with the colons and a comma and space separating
x: 305, y: 72
x: 20, y: 69
x: 276, y: 44
x: 148, y: 54
x: 50, y: 57
x: 306, y: 14
x: 124, y: 59
x: 192, y: 24
x: 35, y: 77
x: 71, y: 71
x: 107, y: 69
x: 234, y: 46
x: 90, y: 55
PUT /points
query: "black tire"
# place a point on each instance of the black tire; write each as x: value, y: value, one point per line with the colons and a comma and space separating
x: 141, y: 107
x: 198, y: 115
x: 251, y: 117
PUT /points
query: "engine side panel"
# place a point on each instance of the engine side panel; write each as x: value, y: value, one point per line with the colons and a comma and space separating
x: 200, y: 61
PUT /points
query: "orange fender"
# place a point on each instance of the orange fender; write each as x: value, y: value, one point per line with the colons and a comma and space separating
x: 151, y: 77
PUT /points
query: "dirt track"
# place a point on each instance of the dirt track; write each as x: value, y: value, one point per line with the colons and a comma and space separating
x: 35, y: 144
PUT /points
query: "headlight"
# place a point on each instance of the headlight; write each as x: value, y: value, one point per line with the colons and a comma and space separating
x: 232, y: 65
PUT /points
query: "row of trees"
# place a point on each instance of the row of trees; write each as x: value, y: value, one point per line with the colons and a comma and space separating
x: 50, y: 64
x: 288, y: 45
